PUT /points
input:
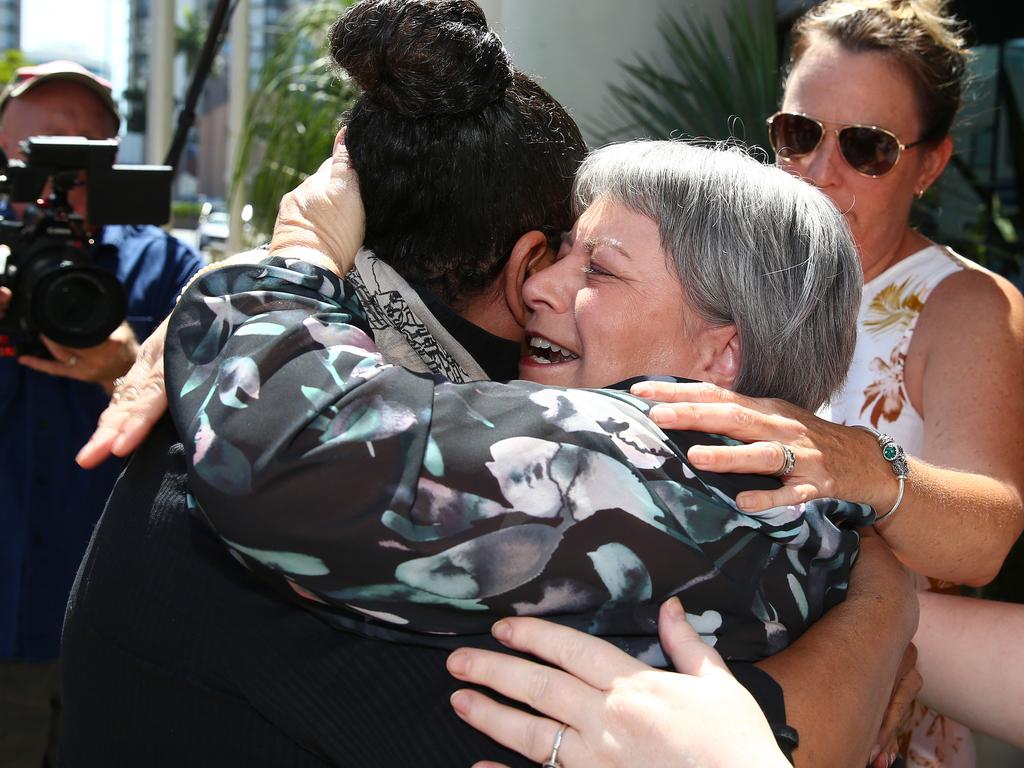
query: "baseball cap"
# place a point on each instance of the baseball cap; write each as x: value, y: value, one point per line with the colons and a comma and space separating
x: 27, y: 78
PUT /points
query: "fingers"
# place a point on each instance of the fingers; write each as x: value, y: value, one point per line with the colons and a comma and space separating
x: 907, y: 686
x: 52, y: 367
x: 687, y: 652
x: 787, y: 496
x: 762, y: 458
x: 671, y: 392
x: 547, y: 690
x: 594, y: 661
x: 137, y: 404
x: 531, y: 736
x: 733, y: 419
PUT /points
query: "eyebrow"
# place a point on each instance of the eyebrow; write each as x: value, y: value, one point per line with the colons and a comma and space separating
x: 591, y: 243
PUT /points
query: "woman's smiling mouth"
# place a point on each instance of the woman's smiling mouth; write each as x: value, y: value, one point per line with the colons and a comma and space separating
x: 545, y: 352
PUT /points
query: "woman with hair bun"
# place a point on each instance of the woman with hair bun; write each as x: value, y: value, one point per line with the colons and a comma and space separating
x: 873, y: 90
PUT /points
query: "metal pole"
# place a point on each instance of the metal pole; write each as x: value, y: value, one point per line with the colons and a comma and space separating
x: 238, y: 97
x: 160, y: 98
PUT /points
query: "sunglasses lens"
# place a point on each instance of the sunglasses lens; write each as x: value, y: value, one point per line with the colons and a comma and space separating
x: 793, y: 135
x: 869, y: 150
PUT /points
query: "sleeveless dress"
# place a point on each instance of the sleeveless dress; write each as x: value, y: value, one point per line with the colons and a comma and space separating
x: 875, y: 394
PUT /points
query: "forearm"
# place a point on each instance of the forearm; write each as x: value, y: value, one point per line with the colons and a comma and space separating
x: 838, y: 676
x: 972, y: 661
x: 952, y: 525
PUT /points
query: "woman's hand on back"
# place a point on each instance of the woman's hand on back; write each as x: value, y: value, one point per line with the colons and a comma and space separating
x: 618, y: 710
x: 830, y: 458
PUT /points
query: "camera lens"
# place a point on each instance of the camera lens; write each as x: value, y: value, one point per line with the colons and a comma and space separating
x: 78, y: 305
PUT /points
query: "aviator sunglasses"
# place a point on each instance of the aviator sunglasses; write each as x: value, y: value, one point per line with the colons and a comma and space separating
x: 868, y: 149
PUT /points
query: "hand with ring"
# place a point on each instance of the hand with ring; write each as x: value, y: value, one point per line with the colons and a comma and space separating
x: 601, y: 708
x: 100, y: 364
x: 814, y: 458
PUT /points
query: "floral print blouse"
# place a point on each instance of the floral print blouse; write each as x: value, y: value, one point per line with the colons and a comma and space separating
x: 408, y: 507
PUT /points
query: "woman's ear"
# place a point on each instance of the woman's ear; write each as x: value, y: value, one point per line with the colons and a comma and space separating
x: 724, y: 365
x: 530, y: 254
x: 935, y: 161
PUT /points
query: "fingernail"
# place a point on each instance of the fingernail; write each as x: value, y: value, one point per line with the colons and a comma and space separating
x: 663, y: 415
x: 502, y: 631
x: 642, y: 390
x: 874, y: 753
x: 698, y: 455
x: 674, y: 609
x: 460, y: 702
x: 458, y: 663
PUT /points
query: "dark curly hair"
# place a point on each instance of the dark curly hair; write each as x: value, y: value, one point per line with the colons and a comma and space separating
x: 457, y: 153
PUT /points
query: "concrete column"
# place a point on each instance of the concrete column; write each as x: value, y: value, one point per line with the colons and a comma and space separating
x: 238, y: 99
x: 160, y: 97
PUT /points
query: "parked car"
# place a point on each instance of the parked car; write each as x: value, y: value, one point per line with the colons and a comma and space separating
x: 214, y: 228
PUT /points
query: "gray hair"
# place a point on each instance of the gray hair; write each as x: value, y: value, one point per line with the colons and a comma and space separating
x: 752, y: 246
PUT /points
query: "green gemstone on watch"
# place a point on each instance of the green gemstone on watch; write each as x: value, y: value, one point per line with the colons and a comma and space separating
x: 890, y: 452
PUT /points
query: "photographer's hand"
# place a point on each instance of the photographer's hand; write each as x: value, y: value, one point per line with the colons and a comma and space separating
x: 100, y: 364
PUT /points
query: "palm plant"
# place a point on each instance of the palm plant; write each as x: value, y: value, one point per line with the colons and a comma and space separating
x: 293, y: 115
x: 713, y: 86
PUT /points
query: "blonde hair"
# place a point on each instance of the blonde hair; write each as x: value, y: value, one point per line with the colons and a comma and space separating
x: 920, y: 34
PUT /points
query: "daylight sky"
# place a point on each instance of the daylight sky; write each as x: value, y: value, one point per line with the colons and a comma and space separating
x: 94, y: 32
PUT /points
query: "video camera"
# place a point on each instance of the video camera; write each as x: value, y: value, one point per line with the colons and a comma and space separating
x: 46, y: 260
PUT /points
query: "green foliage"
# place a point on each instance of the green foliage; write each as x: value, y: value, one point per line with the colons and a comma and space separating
x: 189, y: 37
x: 294, y: 114
x: 712, y: 86
x: 11, y: 60
x: 186, y: 209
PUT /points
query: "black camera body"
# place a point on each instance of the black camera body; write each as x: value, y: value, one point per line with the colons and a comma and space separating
x: 46, y: 260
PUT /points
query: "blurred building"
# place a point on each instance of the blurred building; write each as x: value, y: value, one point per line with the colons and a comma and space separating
x: 10, y: 24
x: 205, y: 158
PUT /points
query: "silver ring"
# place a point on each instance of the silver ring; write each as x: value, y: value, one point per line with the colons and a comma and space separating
x: 788, y: 461
x: 72, y: 361
x: 553, y: 760
x: 119, y: 381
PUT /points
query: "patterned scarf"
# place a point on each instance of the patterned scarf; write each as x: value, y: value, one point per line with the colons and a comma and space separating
x: 404, y: 330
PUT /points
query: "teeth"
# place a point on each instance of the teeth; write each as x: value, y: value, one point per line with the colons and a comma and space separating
x: 550, y: 349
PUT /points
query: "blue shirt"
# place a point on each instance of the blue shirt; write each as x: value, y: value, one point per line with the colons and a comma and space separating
x: 48, y: 505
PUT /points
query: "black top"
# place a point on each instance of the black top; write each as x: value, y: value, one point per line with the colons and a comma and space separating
x: 176, y: 655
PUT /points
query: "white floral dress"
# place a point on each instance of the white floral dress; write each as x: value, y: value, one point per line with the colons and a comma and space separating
x: 875, y: 393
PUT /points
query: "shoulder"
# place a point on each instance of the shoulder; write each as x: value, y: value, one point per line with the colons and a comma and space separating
x: 970, y: 299
x: 135, y: 241
x: 973, y: 317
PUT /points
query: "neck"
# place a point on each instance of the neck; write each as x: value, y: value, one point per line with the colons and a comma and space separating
x: 490, y: 311
x: 910, y: 242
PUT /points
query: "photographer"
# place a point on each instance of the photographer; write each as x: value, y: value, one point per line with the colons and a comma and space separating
x: 48, y: 408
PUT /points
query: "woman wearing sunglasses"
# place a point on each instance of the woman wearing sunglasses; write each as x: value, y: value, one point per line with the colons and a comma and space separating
x: 872, y: 92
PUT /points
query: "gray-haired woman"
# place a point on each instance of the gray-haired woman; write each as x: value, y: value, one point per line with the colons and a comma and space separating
x: 700, y: 262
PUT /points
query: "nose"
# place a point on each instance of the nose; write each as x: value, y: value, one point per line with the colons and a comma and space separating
x: 821, y: 167
x: 554, y: 289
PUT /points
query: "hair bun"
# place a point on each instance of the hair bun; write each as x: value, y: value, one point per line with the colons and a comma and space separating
x: 422, y: 57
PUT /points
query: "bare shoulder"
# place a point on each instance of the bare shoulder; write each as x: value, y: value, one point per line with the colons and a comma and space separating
x: 971, y: 304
